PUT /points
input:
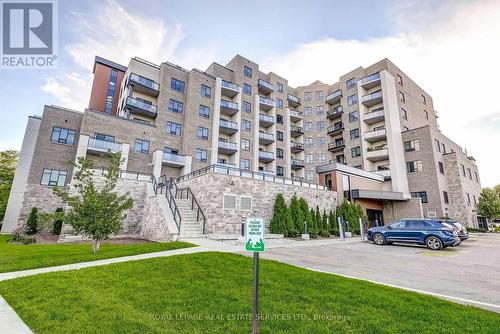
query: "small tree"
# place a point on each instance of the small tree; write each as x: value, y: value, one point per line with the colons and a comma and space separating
x: 332, y: 218
x: 297, y: 215
x: 31, y: 227
x: 319, y: 219
x: 351, y: 213
x: 95, y: 213
x: 58, y: 221
x: 489, y: 204
x: 281, y: 216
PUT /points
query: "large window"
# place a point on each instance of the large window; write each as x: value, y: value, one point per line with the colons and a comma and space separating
x: 205, y: 91
x: 175, y: 106
x: 245, y: 164
x: 247, y: 89
x: 441, y: 167
x: 445, y: 197
x: 201, y: 155
x: 141, y: 146
x: 404, y: 114
x: 307, y: 96
x: 319, y: 96
x: 310, y: 175
x: 309, y: 158
x: 279, y: 119
x: 321, y: 158
x: 62, y: 135
x: 308, y: 142
x: 308, y: 126
x: 280, y: 171
x: 320, y: 125
x: 51, y: 177
x: 351, y: 83
x: 279, y: 103
x: 108, y: 107
x: 354, y: 133
x: 320, y: 110
x: 279, y: 152
x: 103, y: 137
x: 279, y: 135
x: 321, y: 141
x: 177, y: 85
x: 245, y: 144
x: 247, y: 71
x: 353, y: 116
x: 421, y: 194
x: 246, y: 125
x: 307, y: 111
x: 351, y: 100
x: 356, y: 151
x: 202, y: 133
x: 247, y: 106
x: 414, y: 166
x: 204, y: 111
x: 279, y: 87
x: 412, y: 145
x: 174, y: 128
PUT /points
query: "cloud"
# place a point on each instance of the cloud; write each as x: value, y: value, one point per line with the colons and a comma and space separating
x: 450, y: 49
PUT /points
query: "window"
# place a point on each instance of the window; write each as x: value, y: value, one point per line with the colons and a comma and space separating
x: 141, y: 146
x: 247, y: 71
x: 468, y: 199
x: 205, y: 91
x: 340, y: 159
x: 469, y: 173
x: 307, y: 111
x: 424, y: 100
x: 246, y: 125
x: 402, y: 96
x: 204, y: 111
x: 247, y: 89
x: 445, y: 197
x: 308, y: 126
x: 108, y: 107
x: 279, y: 152
x: 351, y: 100
x: 202, y: 133
x: 279, y: 87
x: 412, y: 145
x: 307, y: 96
x: 351, y: 83
x: 245, y: 203
x: 354, y: 133
x: 103, y: 137
x: 474, y: 198
x: 421, y: 194
x: 405, y: 128
x: 245, y: 144
x: 438, y: 145
x: 463, y: 169
x: 414, y: 166
x: 441, y: 167
x: 426, y: 114
x: 280, y: 171
x: 175, y: 106
x: 229, y: 202
x: 353, y: 116
x: 399, y: 79
x: 356, y: 151
x: 310, y: 175
x: 247, y: 106
x: 320, y: 110
x: 321, y: 158
x: 143, y: 121
x: 319, y: 96
x: 279, y: 103
x: 51, y: 177
x: 279, y: 135
x: 477, y: 177
x: 174, y: 128
x: 279, y: 119
x: 320, y: 125
x: 308, y: 142
x: 62, y: 135
x: 404, y: 114
x: 321, y: 141
x: 177, y: 85
x: 309, y: 158
x: 245, y: 164
x: 201, y: 155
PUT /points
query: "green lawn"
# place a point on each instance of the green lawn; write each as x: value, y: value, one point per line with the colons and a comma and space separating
x: 15, y: 257
x: 206, y: 292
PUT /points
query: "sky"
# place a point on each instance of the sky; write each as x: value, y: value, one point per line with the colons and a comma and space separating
x: 450, y: 48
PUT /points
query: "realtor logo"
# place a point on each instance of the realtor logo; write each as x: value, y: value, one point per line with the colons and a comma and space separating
x: 29, y: 34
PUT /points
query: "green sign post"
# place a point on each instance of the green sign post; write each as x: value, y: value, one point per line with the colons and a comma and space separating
x: 254, y: 242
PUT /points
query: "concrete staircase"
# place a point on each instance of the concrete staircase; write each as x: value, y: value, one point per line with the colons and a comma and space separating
x: 190, y: 227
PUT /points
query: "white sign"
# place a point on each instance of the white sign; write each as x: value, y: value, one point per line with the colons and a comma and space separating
x: 254, y: 241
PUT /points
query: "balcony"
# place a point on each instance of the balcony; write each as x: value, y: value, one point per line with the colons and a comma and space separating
x: 266, y: 120
x: 265, y: 103
x: 98, y: 147
x: 372, y: 99
x: 298, y: 163
x: 265, y: 87
x: 375, y: 136
x: 265, y: 156
x: 386, y: 173
x: 295, y: 115
x: 377, y: 153
x: 228, y: 108
x: 296, y: 131
x: 335, y: 112
x: 335, y: 129
x: 293, y: 100
x: 229, y: 89
x: 370, y: 81
x: 226, y: 147
x: 173, y: 159
x: 296, y: 147
x: 336, y: 146
x: 144, y: 85
x: 375, y: 116
x: 140, y: 107
x: 266, y: 138
x: 227, y: 127
x: 334, y: 97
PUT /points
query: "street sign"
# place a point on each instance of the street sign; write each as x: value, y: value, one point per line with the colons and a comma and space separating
x: 254, y: 239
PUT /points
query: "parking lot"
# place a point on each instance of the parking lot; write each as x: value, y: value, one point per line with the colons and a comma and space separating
x: 468, y: 273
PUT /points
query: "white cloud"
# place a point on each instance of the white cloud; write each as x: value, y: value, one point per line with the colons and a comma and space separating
x: 451, y: 51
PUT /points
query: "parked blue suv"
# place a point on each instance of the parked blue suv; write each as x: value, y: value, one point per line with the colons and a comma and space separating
x: 434, y: 233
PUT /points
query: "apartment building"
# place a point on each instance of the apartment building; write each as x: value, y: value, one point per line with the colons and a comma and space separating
x: 166, y: 120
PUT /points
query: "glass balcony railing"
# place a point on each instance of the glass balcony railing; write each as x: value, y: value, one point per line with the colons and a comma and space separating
x: 297, y: 146
x: 297, y: 129
x: 134, y: 103
x: 144, y: 81
x: 174, y: 157
x: 228, y: 104
x: 265, y: 86
x: 293, y: 98
x: 334, y: 95
x: 336, y: 127
x: 370, y: 78
x: 334, y: 112
x: 336, y: 145
x: 372, y: 96
x: 104, y: 145
x: 266, y: 136
x: 230, y: 85
x: 266, y: 118
x: 266, y: 155
x: 295, y: 113
x: 228, y: 124
x: 265, y: 100
x: 298, y: 162
x: 228, y: 145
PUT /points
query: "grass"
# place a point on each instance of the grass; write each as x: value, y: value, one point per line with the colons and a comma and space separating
x: 212, y: 293
x: 15, y: 257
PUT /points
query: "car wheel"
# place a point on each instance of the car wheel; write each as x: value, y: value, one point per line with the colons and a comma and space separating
x: 433, y: 243
x: 378, y: 239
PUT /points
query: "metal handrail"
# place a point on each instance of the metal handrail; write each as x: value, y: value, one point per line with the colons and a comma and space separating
x: 194, y: 202
x: 170, y: 198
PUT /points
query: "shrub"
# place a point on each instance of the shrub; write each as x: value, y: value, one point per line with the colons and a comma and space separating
x: 22, y: 238
x: 31, y: 226
x: 282, y: 221
x: 325, y: 234
x: 58, y: 221
x: 478, y: 230
x: 351, y: 213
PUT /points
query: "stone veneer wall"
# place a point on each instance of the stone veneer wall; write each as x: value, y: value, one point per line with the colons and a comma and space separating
x: 154, y: 221
x: 397, y: 210
x: 210, y: 188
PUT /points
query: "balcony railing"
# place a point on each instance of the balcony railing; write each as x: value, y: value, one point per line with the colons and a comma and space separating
x: 140, y: 107
x: 338, y: 127
x: 265, y: 87
x: 266, y: 119
x: 375, y: 116
x: 230, y: 85
x: 334, y: 112
x: 370, y: 81
x: 336, y: 146
x: 229, y: 89
x: 297, y: 146
x: 296, y: 130
x: 228, y: 124
x: 386, y: 173
x: 266, y: 155
x: 266, y: 138
x: 174, y: 157
x: 376, y: 135
x: 228, y: 145
x: 373, y: 98
x: 334, y: 97
x: 294, y: 100
x: 103, y: 145
x: 150, y: 86
x: 228, y: 104
x: 295, y: 115
x: 298, y: 163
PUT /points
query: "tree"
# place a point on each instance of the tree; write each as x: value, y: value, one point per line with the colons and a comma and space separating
x: 282, y: 220
x: 31, y: 226
x: 351, y: 213
x: 297, y: 214
x: 58, y: 221
x: 319, y: 219
x: 95, y: 213
x: 489, y: 203
x: 8, y: 161
x: 332, y: 218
